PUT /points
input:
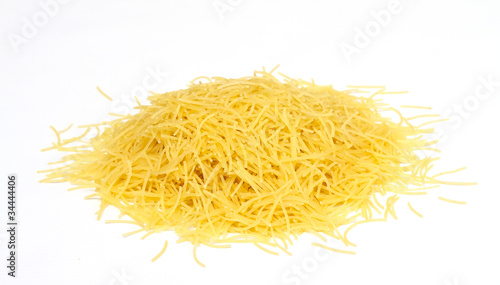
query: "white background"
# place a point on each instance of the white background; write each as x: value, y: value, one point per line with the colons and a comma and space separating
x: 438, y: 50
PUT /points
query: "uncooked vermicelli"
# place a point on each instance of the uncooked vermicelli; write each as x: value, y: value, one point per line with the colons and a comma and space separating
x: 252, y: 160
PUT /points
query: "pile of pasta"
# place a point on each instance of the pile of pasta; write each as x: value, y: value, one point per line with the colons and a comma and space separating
x: 255, y: 160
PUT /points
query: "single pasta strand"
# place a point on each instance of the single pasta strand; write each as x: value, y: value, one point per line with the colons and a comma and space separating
x: 366, y: 86
x: 265, y: 249
x: 394, y: 92
x: 414, y: 211
x: 161, y: 252
x: 196, y: 258
x: 333, y: 249
x: 57, y: 134
x: 359, y: 223
x: 423, y: 116
x: 104, y: 94
x: 120, y: 222
x: 452, y: 201
x: 416, y: 107
x: 432, y: 122
x: 66, y: 129
x: 449, y: 172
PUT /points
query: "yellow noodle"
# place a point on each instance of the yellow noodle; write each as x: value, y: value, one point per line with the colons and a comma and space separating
x: 133, y: 232
x: 333, y: 249
x: 196, y: 258
x: 449, y: 172
x: 254, y: 160
x: 265, y: 249
x: 161, y: 252
x: 415, y: 211
x: 452, y: 201
x: 416, y: 107
x: 104, y: 94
